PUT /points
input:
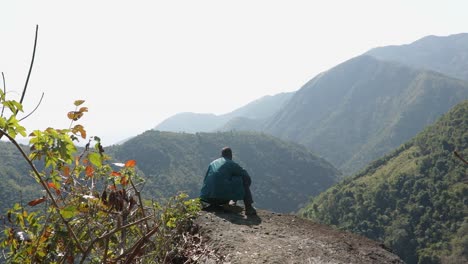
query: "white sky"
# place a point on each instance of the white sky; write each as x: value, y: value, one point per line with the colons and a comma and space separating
x: 139, y: 62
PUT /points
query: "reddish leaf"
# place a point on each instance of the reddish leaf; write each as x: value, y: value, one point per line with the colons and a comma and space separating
x: 112, y: 187
x: 53, y: 186
x: 124, y: 181
x: 130, y: 163
x: 80, y: 129
x: 116, y: 174
x: 37, y: 201
x: 66, y: 171
x: 89, y: 171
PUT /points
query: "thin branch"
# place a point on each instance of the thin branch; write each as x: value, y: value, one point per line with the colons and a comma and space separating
x: 134, y: 250
x: 108, y: 234
x: 30, y: 66
x: 4, y: 92
x: 137, y: 192
x: 35, y: 108
x: 460, y: 157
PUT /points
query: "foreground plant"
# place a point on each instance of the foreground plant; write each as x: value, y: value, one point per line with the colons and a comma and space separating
x: 92, y: 210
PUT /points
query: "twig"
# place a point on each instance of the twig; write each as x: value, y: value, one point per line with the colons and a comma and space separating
x: 460, y: 157
x: 4, y: 92
x: 134, y: 250
x: 35, y: 108
x: 104, y: 259
x: 140, y: 201
x: 30, y: 66
x: 107, y: 235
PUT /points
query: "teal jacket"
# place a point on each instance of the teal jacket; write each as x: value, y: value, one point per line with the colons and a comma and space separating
x: 223, y: 181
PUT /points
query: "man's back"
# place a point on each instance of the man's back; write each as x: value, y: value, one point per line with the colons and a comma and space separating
x: 223, y: 181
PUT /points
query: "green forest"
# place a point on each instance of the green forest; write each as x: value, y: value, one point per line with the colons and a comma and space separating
x: 414, y: 199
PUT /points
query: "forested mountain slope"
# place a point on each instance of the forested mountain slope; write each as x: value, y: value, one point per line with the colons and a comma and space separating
x: 16, y: 184
x: 414, y: 199
x: 284, y: 174
x: 448, y: 55
x: 194, y: 122
x: 364, y: 108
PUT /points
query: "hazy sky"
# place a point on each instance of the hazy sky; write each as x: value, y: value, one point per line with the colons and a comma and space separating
x: 139, y: 62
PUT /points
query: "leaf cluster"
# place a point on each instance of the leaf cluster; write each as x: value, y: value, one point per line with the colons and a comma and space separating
x: 91, y: 210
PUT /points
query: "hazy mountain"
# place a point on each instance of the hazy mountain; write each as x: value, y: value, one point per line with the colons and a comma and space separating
x: 448, y: 55
x: 363, y: 108
x: 414, y: 199
x: 194, y: 122
x: 284, y: 174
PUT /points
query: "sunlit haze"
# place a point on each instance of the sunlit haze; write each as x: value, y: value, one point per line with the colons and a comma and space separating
x: 137, y: 63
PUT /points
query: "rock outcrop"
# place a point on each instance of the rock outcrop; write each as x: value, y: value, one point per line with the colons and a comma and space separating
x: 280, y: 238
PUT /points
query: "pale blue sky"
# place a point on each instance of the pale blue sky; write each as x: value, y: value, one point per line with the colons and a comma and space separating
x: 139, y: 62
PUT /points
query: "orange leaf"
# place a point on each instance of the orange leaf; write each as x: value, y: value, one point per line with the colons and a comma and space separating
x: 74, y: 115
x: 130, y: 163
x: 36, y: 201
x: 124, y: 181
x: 83, y: 109
x: 116, y: 174
x: 89, y: 171
x: 79, y: 128
x: 66, y: 171
x: 53, y: 186
x: 112, y: 187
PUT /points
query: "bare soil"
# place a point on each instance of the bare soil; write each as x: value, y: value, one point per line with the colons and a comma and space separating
x: 280, y: 238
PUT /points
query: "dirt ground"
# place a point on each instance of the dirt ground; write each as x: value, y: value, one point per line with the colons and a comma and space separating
x: 279, y: 238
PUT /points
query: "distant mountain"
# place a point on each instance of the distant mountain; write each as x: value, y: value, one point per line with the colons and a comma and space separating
x: 193, y: 122
x: 414, y: 199
x: 363, y: 108
x: 448, y: 55
x: 284, y: 174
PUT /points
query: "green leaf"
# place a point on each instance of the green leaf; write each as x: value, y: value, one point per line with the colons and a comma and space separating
x: 68, y: 212
x: 95, y: 159
x: 79, y: 102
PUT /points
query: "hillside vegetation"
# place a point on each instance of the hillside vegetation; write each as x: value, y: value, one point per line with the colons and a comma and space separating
x: 16, y: 184
x: 364, y: 108
x: 414, y: 199
x: 284, y: 175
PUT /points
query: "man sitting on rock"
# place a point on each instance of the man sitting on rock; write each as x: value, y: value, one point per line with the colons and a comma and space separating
x: 227, y: 181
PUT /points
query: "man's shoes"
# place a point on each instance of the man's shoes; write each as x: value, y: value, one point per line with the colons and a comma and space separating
x: 250, y: 210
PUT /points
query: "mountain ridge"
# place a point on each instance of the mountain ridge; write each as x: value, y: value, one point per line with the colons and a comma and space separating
x: 206, y: 122
x: 362, y: 106
x: 444, y: 54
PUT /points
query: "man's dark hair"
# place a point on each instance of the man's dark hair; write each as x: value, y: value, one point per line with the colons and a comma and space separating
x: 226, y: 152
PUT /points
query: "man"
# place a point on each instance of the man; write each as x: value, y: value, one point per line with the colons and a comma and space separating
x: 225, y: 180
